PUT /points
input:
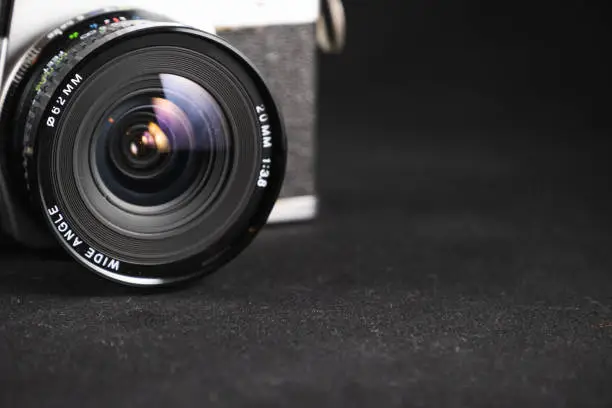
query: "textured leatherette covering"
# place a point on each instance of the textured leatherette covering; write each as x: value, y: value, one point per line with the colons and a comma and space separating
x: 285, y: 55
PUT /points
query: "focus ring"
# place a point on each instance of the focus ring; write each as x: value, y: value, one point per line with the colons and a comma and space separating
x: 28, y: 60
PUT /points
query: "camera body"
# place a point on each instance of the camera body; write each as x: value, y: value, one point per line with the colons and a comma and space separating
x: 280, y: 41
x: 192, y: 106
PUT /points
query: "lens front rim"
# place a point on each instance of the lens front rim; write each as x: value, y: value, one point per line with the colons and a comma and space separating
x: 244, y: 227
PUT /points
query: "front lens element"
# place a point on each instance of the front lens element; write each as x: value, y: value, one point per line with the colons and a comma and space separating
x: 159, y: 144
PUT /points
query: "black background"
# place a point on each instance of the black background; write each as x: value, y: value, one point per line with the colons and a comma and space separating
x: 462, y: 258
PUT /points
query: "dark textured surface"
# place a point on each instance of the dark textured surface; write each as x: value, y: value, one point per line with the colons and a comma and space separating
x: 455, y: 274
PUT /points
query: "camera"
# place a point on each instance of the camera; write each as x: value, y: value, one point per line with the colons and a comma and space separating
x: 146, y: 146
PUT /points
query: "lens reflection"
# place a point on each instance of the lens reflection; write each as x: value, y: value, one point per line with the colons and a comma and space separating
x: 160, y: 143
x: 152, y: 140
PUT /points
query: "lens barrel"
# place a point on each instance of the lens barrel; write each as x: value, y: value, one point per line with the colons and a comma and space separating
x: 155, y: 151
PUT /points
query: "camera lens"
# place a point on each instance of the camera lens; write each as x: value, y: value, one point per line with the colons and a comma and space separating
x: 155, y: 151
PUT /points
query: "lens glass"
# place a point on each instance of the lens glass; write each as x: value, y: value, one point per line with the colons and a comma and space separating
x: 161, y: 145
